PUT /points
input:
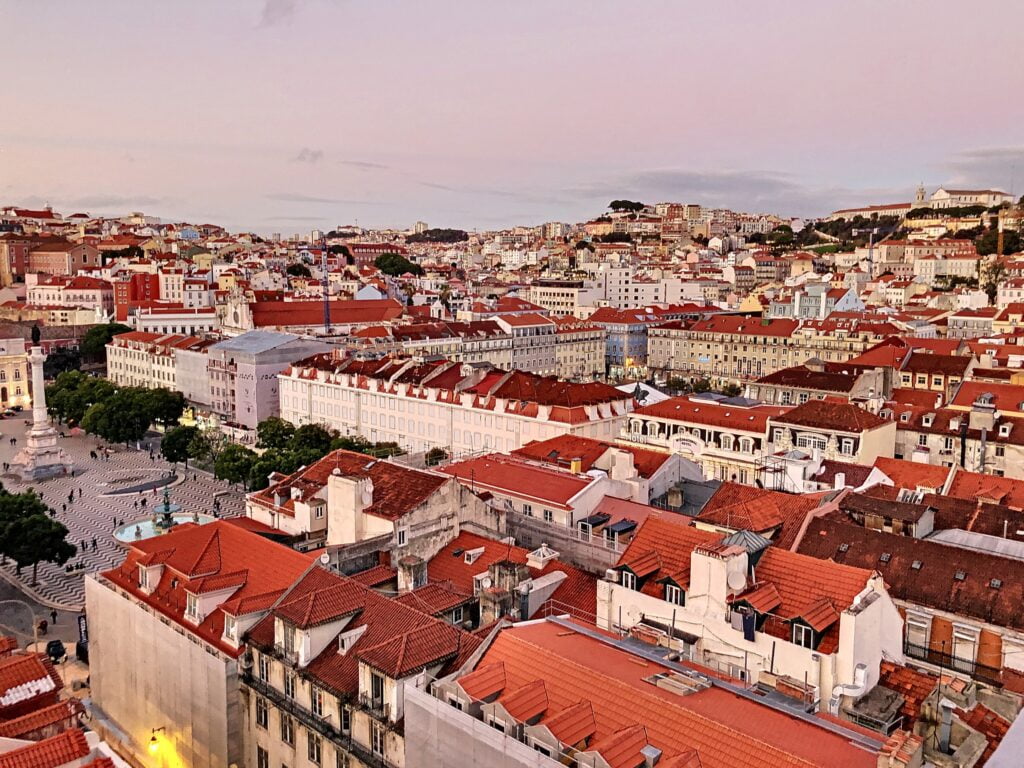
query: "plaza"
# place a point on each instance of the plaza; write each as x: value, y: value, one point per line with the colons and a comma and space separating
x: 106, y: 501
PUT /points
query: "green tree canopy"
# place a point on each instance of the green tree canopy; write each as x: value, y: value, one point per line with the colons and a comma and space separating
x: 438, y: 236
x: 178, y: 443
x: 625, y: 205
x: 988, y: 243
x: 165, y: 407
x: 94, y: 343
x: 274, y: 433
x: 234, y: 463
x: 298, y: 270
x: 395, y: 264
x: 73, y: 392
x: 60, y: 360
x: 29, y: 535
x: 310, y: 437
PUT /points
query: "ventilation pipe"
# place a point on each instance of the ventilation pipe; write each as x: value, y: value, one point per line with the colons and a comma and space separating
x: 858, y: 688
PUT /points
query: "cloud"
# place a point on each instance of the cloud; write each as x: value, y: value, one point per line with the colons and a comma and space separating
x: 994, y: 167
x: 291, y: 197
x: 277, y: 12
x: 363, y: 165
x: 307, y: 155
x: 297, y: 218
x: 112, y: 201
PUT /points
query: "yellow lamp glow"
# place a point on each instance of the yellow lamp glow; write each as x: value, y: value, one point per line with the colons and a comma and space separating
x: 154, y: 745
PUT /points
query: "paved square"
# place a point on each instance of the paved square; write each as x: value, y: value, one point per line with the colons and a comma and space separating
x: 94, y: 514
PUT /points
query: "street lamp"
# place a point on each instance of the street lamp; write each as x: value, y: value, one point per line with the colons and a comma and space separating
x: 154, y: 745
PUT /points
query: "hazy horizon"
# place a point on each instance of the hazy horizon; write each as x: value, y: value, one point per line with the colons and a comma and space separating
x: 285, y: 115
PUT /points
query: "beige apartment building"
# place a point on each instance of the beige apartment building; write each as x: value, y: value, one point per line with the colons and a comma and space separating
x: 730, y: 348
x: 580, y: 349
x: 139, y: 359
x: 14, y: 378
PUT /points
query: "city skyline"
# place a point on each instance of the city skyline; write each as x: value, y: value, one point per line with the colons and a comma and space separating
x: 486, y: 118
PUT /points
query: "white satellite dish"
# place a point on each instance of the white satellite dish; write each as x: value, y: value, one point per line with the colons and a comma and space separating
x: 325, y: 559
x: 736, y: 581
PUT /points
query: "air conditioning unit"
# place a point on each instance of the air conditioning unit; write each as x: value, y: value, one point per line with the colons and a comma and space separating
x: 611, y: 575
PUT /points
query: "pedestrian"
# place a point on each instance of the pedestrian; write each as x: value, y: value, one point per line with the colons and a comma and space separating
x: 93, y: 543
x: 53, y: 617
x: 63, y: 507
x: 79, y: 493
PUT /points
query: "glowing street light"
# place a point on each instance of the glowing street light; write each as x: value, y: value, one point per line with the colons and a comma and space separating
x: 154, y: 744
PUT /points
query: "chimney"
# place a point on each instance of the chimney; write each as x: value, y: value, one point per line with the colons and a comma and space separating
x: 946, y: 726
x: 412, y: 573
x: 651, y: 755
x: 576, y: 466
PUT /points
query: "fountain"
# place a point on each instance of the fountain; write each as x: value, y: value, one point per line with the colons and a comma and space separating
x: 165, y: 516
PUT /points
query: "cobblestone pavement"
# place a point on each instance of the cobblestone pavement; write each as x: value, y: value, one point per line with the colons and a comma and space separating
x: 93, y: 515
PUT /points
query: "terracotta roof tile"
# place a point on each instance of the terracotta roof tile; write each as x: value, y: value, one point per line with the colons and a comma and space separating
x: 65, y: 747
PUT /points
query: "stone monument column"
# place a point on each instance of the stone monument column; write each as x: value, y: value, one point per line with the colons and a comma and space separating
x: 41, y: 458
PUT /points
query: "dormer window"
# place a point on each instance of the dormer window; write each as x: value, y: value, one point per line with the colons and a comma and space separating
x: 674, y: 595
x: 927, y: 420
x: 143, y: 578
x: 192, y: 606
x: 230, y: 626
x: 629, y: 580
x: 1004, y: 430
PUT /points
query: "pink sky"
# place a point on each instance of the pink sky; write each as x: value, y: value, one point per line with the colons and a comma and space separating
x: 292, y: 114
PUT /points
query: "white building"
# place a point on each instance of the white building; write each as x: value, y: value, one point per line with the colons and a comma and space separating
x: 423, y: 404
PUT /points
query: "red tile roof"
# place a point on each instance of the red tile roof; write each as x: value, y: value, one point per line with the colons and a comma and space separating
x: 397, y: 639
x: 743, y: 507
x: 989, y: 488
x: 513, y: 476
x: 576, y: 594
x: 561, y: 450
x: 583, y: 675
x: 697, y: 411
x: 295, y: 313
x: 24, y: 677
x: 826, y: 414
x: 397, y: 489
x: 65, y: 747
x: 912, y: 475
x: 190, y: 553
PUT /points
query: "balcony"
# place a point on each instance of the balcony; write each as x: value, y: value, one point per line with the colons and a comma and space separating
x: 319, y: 725
x: 970, y: 667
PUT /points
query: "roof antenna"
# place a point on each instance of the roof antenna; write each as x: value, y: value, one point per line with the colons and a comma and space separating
x: 327, y: 302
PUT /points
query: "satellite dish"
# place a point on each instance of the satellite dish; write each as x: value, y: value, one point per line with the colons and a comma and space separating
x: 736, y: 581
x: 485, y: 582
x: 325, y: 558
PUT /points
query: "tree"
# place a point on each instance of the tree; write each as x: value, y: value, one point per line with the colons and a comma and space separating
x: 395, y: 264
x: 60, y: 360
x: 178, y: 443
x: 438, y: 236
x: 298, y: 270
x: 73, y: 392
x: 625, y: 205
x: 124, y: 417
x: 165, y: 407
x: 435, y: 456
x: 29, y: 535
x: 988, y: 243
x: 614, y: 237
x: 208, y: 444
x: 94, y: 343
x: 990, y: 276
x: 310, y: 437
x: 274, y: 432
x: 234, y: 463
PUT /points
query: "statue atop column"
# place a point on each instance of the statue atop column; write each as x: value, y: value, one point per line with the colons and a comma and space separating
x: 41, y: 458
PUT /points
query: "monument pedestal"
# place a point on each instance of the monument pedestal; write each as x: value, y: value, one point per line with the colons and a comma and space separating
x: 41, y: 458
